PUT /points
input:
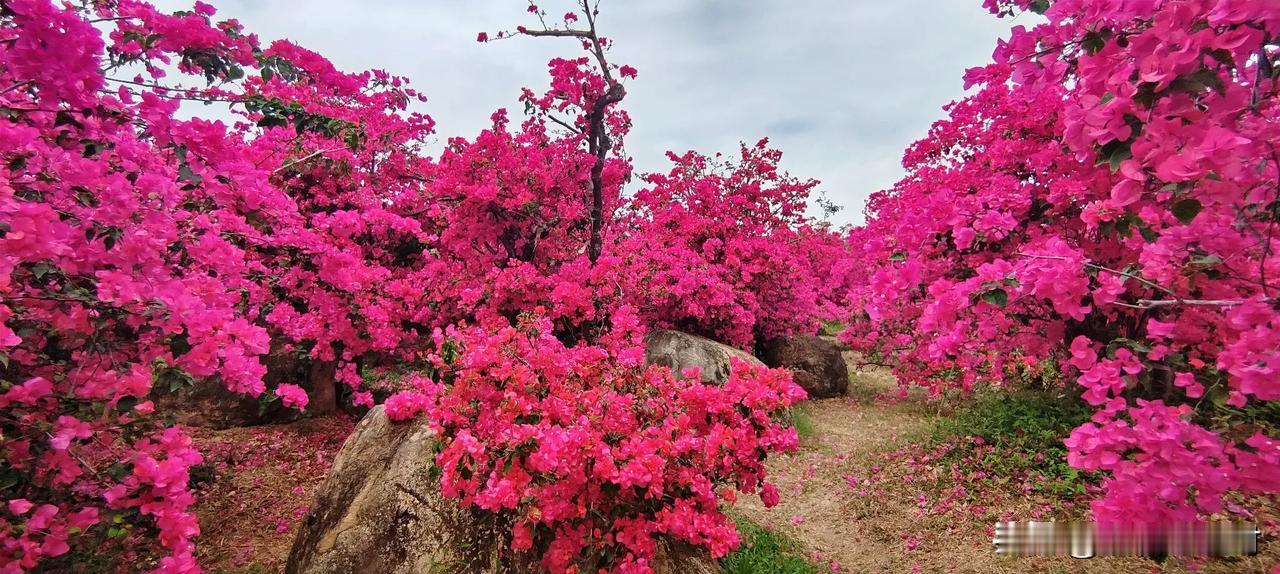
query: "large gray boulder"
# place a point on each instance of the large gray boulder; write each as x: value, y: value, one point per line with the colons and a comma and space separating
x: 380, y: 511
x: 678, y: 351
x: 816, y: 363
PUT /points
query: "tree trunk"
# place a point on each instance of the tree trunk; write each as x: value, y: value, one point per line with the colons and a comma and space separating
x: 322, y: 391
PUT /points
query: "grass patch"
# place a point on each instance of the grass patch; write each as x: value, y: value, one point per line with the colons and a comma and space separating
x: 1026, y: 428
x: 764, y: 551
x: 803, y: 423
x: 1029, y: 419
x: 831, y: 328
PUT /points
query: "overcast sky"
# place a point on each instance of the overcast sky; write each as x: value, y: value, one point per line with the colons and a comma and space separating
x: 840, y: 86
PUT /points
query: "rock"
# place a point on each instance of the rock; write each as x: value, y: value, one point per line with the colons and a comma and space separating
x: 817, y: 363
x: 679, y: 351
x: 380, y: 511
x: 210, y: 405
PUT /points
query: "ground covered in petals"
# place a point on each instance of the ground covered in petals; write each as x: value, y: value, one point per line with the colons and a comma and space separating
x: 879, y: 486
x: 255, y: 488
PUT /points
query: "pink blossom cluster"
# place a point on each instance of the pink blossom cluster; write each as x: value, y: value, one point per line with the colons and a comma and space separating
x: 590, y: 453
x: 724, y: 248
x: 720, y: 248
x: 1103, y: 205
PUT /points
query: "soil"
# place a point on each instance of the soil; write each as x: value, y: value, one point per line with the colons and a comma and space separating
x: 846, y: 531
x: 260, y: 481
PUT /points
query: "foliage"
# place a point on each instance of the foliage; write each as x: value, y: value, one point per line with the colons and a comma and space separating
x: 802, y: 422
x: 831, y: 328
x: 1031, y: 420
x: 1105, y: 201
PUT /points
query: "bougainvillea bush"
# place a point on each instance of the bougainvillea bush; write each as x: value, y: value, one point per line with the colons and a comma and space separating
x: 717, y: 247
x: 144, y: 248
x: 724, y: 248
x: 1104, y: 204
x: 587, y: 452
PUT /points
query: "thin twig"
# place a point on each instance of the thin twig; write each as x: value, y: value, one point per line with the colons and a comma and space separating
x: 16, y: 86
x: 564, y: 123
x: 205, y: 99
x: 1152, y: 303
x: 1137, y: 278
x: 305, y: 158
x: 557, y: 33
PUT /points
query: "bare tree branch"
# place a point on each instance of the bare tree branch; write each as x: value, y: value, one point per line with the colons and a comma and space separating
x: 553, y: 33
x: 1152, y: 303
x: 305, y: 158
x: 598, y: 141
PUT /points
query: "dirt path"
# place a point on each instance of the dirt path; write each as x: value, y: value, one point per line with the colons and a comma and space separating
x: 878, y: 526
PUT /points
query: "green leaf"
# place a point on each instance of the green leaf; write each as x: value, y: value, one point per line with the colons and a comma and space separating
x: 179, y: 345
x: 84, y: 196
x: 1198, y: 81
x: 1039, y: 6
x: 272, y: 120
x: 126, y: 404
x: 42, y: 269
x: 1126, y: 342
x: 185, y: 174
x: 997, y: 297
x: 1223, y: 56
x: 1118, y: 156
x: 64, y: 118
x: 898, y: 256
x: 1186, y: 210
x: 266, y: 401
x: 92, y: 148
x: 1093, y: 43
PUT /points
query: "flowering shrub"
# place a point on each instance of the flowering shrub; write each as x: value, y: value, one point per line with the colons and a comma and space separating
x: 591, y: 454
x: 140, y: 251
x: 1105, y: 202
x: 139, y: 248
x: 724, y: 249
x: 510, y: 221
